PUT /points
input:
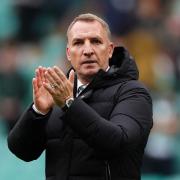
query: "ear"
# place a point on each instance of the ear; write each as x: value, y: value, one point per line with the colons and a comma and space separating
x: 111, y: 49
x: 68, y: 53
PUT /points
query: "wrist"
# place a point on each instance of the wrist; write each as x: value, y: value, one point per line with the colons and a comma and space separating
x: 69, y: 101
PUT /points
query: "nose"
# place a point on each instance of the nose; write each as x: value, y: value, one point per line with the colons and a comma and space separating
x: 88, y: 50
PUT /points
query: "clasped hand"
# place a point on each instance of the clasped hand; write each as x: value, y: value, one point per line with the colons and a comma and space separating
x: 51, y: 86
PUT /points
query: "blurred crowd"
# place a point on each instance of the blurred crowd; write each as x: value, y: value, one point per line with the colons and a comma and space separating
x: 33, y: 33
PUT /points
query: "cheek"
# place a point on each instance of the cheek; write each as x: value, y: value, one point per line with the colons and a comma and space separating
x: 104, y: 55
x: 75, y: 53
x: 74, y: 58
x: 105, y: 50
x: 72, y: 54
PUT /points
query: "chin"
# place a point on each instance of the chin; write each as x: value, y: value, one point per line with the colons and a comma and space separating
x: 88, y: 74
x: 91, y: 72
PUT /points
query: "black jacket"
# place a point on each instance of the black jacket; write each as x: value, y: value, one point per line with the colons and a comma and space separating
x: 100, y: 137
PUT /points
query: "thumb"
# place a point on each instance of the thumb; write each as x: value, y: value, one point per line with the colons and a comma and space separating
x: 71, y: 76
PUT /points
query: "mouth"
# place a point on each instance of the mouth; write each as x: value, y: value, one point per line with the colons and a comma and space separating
x: 89, y: 62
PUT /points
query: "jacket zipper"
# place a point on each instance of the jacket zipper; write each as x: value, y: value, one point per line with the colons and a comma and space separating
x: 108, y: 171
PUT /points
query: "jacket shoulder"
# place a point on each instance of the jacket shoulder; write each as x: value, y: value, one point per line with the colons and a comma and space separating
x: 134, y: 84
x: 134, y: 88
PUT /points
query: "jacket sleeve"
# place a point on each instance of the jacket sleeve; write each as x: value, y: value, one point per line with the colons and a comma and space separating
x: 27, y: 138
x: 129, y: 124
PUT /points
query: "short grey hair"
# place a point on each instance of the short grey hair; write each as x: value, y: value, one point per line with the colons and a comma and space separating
x: 88, y: 17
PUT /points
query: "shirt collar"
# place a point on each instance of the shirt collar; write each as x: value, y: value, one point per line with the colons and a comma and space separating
x: 79, y: 83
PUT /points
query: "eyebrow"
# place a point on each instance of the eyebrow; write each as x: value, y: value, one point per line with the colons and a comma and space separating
x: 77, y: 39
x: 80, y: 39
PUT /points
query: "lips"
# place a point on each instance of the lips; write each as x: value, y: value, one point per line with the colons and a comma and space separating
x: 89, y: 62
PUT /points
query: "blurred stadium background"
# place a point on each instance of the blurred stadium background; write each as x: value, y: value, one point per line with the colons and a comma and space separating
x: 32, y: 33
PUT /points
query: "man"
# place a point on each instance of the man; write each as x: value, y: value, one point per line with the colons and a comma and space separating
x: 98, y: 133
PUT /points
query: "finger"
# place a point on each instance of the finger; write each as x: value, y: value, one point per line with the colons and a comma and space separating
x: 51, y: 81
x: 48, y: 88
x: 38, y: 78
x: 60, y: 73
x: 54, y: 76
x: 35, y: 86
x: 71, y: 76
x: 41, y: 72
x: 45, y: 76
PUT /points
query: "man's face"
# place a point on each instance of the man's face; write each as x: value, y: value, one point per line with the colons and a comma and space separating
x: 89, y: 48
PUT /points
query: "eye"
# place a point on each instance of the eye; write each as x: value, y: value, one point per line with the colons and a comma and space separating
x: 96, y: 41
x: 77, y: 43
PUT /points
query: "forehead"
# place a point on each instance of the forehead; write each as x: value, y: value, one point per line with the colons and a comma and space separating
x: 83, y: 29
